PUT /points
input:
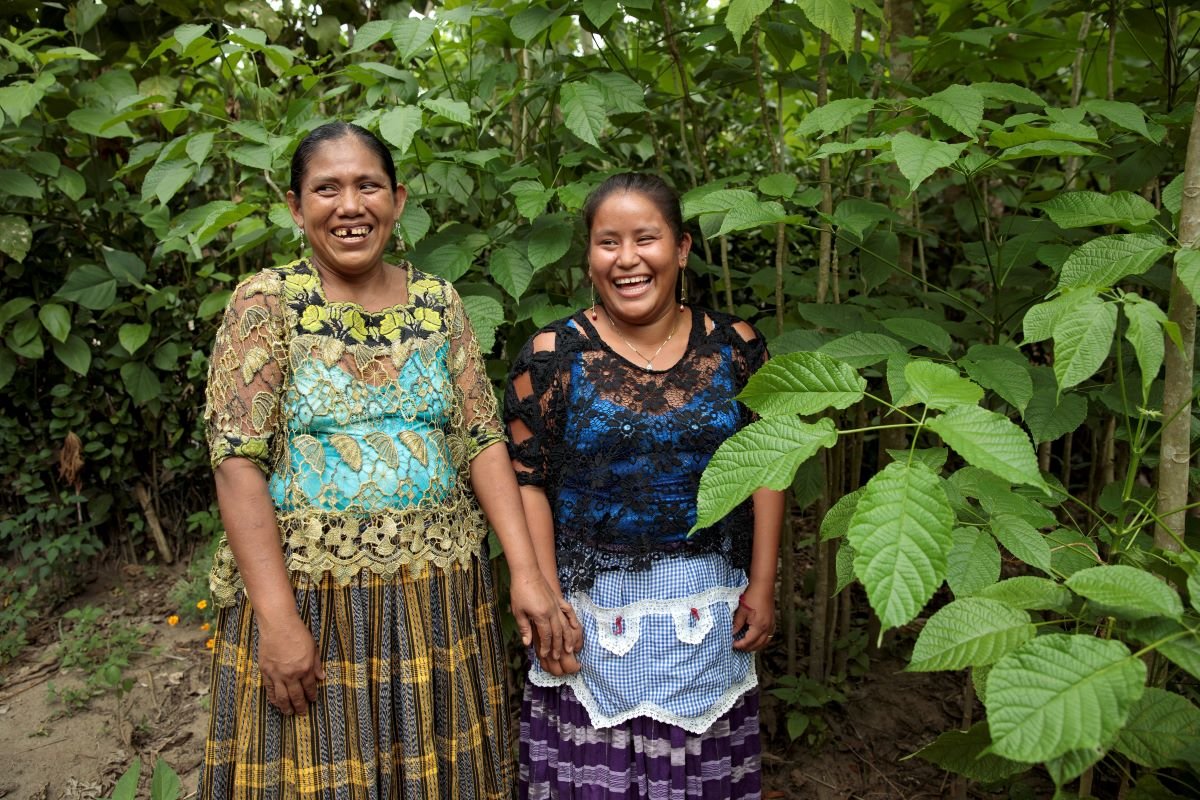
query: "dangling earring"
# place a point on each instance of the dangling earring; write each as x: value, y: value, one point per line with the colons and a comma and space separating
x: 682, y: 288
x: 595, y: 316
x: 399, y: 231
x: 301, y: 232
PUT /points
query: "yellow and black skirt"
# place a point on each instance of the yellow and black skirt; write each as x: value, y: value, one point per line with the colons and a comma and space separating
x: 413, y: 705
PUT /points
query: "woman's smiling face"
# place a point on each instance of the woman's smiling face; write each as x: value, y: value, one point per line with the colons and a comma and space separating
x: 347, y: 206
x: 634, y: 259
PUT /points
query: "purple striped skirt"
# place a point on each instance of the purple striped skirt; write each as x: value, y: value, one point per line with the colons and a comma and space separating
x: 564, y: 758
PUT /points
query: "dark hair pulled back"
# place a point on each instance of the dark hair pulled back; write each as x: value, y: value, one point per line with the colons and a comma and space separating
x: 330, y: 132
x: 654, y: 188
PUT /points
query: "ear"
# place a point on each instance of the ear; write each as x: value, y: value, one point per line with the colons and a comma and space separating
x: 294, y: 207
x: 400, y: 196
x: 685, y: 247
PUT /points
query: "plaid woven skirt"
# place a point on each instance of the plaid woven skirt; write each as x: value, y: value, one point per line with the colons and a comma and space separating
x: 564, y: 758
x: 412, y: 707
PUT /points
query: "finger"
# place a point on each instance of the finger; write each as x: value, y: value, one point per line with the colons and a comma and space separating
x: 310, y: 687
x: 748, y: 641
x: 570, y: 664
x: 524, y: 628
x: 550, y: 632
x: 295, y: 693
x: 552, y: 665
x: 740, y: 618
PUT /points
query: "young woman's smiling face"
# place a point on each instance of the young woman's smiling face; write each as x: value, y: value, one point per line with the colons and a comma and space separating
x: 347, y: 206
x: 634, y: 258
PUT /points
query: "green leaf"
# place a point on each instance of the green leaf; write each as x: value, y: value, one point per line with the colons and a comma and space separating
x: 56, y: 320
x: 960, y: 107
x: 973, y: 563
x: 453, y: 110
x: 71, y: 183
x: 1040, y: 320
x: 549, y: 241
x: 1022, y: 540
x: 1105, y: 260
x: 399, y: 125
x: 165, y: 784
x: 741, y: 16
x: 414, y: 223
x: 140, y: 381
x: 133, y: 335
x: 835, y: 17
x: 1008, y: 93
x: 511, y: 271
x: 125, y: 266
x: 834, y: 116
x: 748, y: 216
x: 126, y: 788
x: 766, y: 452
x: 530, y: 22
x: 1172, y: 194
x: 1030, y: 592
x: 410, y: 35
x: 186, y: 34
x: 864, y: 143
x: 1010, y: 381
x: 18, y: 184
x: 844, y: 567
x: 1124, y: 115
x: 802, y: 383
x: 75, y: 353
x: 901, y: 533
x: 213, y: 304
x: 1048, y: 415
x: 8, y: 367
x: 91, y: 286
x: 837, y: 519
x: 1087, y: 209
x: 450, y: 261
x: 622, y: 94
x: 779, y: 184
x: 20, y: 98
x: 970, y: 632
x: 1070, y: 551
x: 599, y: 11
x: 583, y: 111
x: 99, y: 122
x: 532, y: 198
x: 486, y: 315
x: 1082, y: 341
x: 1145, y: 334
x: 918, y: 158
x: 16, y: 237
x: 920, y: 331
x: 1173, y: 640
x: 1187, y: 269
x: 966, y: 753
x: 863, y: 349
x: 199, y: 146
x: 1129, y: 592
x: 370, y: 33
x: 1070, y: 765
x: 1060, y: 693
x: 14, y: 308
x: 1046, y: 149
x: 939, y: 386
x: 1161, y: 728
x: 166, y: 178
x: 991, y: 441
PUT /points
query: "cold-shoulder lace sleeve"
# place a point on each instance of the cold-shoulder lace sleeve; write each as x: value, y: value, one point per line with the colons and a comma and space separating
x: 748, y: 353
x: 533, y: 408
x: 246, y: 374
x: 476, y: 420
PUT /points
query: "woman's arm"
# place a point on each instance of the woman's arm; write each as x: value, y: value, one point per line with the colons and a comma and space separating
x: 540, y: 520
x: 287, y: 653
x: 756, y: 609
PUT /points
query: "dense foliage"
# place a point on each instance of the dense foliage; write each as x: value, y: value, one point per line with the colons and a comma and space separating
x: 955, y: 224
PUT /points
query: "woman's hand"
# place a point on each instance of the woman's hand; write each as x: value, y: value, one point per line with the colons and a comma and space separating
x: 290, y: 665
x: 568, y: 664
x: 755, y: 617
x: 538, y: 612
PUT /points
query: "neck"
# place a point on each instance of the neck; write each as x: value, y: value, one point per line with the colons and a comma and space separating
x: 649, y: 333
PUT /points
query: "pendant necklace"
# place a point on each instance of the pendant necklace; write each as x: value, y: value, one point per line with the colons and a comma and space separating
x: 629, y: 344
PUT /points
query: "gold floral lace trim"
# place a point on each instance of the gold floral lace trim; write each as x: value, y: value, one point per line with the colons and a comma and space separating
x: 383, y: 542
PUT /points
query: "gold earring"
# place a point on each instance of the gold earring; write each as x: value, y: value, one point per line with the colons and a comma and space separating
x: 682, y: 289
x: 399, y: 231
x: 595, y: 316
x: 301, y: 232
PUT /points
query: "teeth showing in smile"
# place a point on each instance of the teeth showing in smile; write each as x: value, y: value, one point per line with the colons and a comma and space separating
x: 361, y: 230
x: 631, y: 281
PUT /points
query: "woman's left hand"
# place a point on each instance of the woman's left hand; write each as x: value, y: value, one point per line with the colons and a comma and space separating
x: 754, y: 618
x: 535, y: 607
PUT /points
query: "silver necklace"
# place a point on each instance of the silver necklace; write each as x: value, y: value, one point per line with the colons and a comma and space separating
x: 629, y: 344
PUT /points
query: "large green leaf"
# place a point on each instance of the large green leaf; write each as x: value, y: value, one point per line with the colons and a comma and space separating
x: 531, y: 198
x: 486, y: 315
x: 583, y: 111
x: 1022, y: 540
x: 140, y: 381
x: 1145, y: 334
x: 960, y: 107
x: 1010, y: 381
x: 741, y: 15
x: 990, y: 441
x: 1048, y: 414
x: 748, y: 216
x: 920, y: 331
x: 834, y: 116
x: 19, y: 98
x: 1040, y: 319
x: 133, y: 335
x: 901, y: 533
x: 56, y: 321
x: 1126, y: 115
x: 74, y: 353
x: 511, y: 270
x: 1086, y: 209
x: 531, y: 21
x: 549, y: 240
x: 1162, y: 728
x: 1187, y: 269
x: 764, y: 453
x: 837, y: 520
x: 453, y: 110
x: 970, y: 632
x: 1029, y: 592
x: 622, y: 94
x: 939, y: 386
x: 835, y: 17
x: 599, y: 11
x: 18, y: 184
x: 411, y: 35
x: 1126, y: 591
x: 15, y: 237
x: 973, y: 563
x: 91, y: 286
x: 1105, y: 260
x: 918, y: 158
x: 1082, y: 341
x: 1175, y: 641
x: 802, y: 383
x: 1008, y: 93
x: 399, y: 125
x: 966, y: 753
x: 1059, y: 693
x: 863, y: 349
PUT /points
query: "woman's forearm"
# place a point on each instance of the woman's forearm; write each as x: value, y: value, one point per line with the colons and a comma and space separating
x: 768, y: 522
x: 541, y: 532
x: 495, y: 486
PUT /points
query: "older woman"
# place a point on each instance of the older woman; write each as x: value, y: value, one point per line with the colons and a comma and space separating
x: 613, y: 414
x: 354, y: 438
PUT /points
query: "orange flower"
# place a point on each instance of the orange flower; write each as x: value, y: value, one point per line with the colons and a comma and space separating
x: 205, y: 626
x: 203, y: 604
x: 173, y: 619
x: 210, y: 643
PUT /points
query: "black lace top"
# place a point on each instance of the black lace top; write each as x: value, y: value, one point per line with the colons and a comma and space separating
x: 619, y: 449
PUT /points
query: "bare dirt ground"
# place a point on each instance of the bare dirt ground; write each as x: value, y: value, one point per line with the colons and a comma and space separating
x: 49, y: 753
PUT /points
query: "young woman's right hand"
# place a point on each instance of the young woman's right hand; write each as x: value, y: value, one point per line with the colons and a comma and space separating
x: 567, y: 664
x: 290, y: 665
